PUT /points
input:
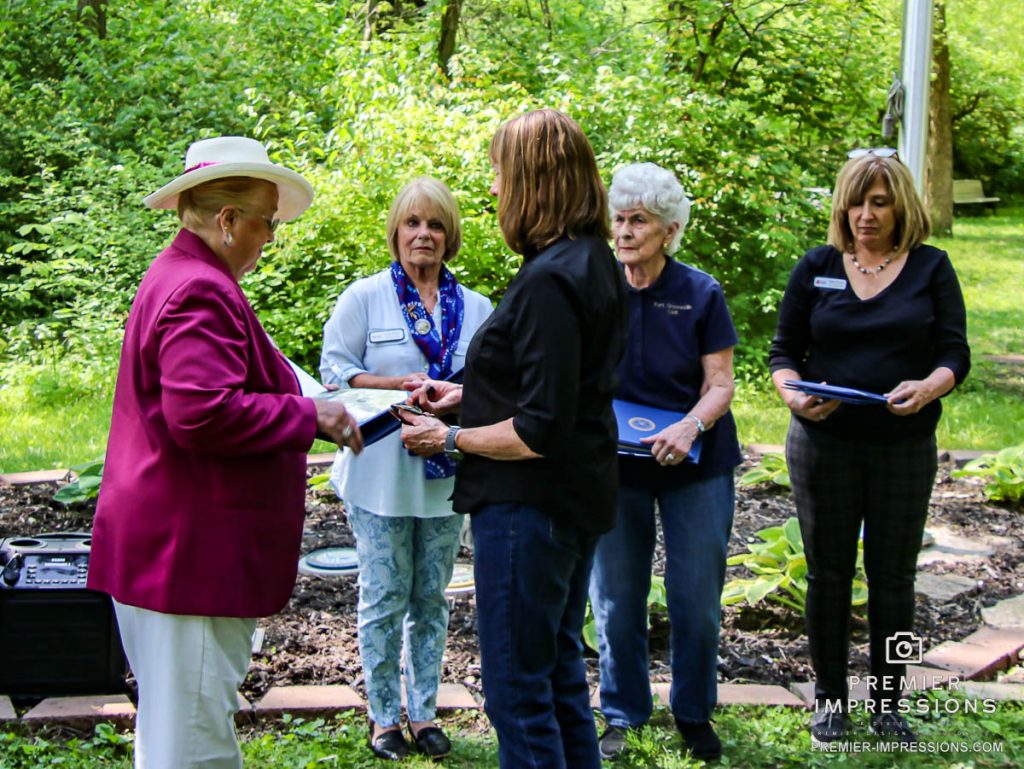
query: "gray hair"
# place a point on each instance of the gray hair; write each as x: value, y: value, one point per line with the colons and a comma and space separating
x: 652, y: 187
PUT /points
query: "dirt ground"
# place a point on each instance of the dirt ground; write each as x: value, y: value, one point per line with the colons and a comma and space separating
x: 313, y: 641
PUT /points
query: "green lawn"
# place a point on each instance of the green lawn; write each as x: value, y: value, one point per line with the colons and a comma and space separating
x: 987, y: 412
x: 752, y: 737
x: 59, y: 418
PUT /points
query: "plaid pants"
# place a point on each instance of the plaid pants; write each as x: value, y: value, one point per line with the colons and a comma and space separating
x: 839, y: 485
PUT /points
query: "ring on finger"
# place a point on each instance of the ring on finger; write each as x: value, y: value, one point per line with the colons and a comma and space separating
x: 347, y: 432
x: 670, y: 457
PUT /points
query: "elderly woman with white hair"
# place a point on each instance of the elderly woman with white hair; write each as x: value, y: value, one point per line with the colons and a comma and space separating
x: 679, y: 358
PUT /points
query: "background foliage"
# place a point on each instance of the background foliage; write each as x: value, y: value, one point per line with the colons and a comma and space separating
x: 750, y: 103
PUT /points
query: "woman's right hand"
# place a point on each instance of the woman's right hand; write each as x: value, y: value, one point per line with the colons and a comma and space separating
x: 811, y: 407
x: 334, y: 421
x: 436, y: 396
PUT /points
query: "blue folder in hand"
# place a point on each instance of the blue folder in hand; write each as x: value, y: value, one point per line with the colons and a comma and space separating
x: 831, y: 392
x: 637, y: 421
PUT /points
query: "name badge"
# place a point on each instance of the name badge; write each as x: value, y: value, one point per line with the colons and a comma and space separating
x: 387, y: 335
x: 838, y: 284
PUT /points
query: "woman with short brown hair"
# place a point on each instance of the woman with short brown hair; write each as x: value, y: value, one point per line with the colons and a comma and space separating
x: 537, y: 430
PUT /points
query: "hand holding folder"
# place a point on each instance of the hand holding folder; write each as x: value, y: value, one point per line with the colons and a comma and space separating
x: 638, y: 423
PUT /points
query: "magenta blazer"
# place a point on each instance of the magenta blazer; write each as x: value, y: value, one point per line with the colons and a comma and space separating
x: 203, y: 496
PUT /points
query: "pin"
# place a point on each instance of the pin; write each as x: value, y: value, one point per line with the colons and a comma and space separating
x: 422, y: 327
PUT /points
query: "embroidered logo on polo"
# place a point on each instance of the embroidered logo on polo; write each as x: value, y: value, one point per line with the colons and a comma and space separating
x: 641, y: 424
x: 672, y: 309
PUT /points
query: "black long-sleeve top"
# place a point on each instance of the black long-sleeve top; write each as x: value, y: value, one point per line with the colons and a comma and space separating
x: 914, y: 326
x: 546, y: 358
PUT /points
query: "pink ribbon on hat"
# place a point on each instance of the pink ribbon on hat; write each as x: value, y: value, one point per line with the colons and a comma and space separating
x: 201, y: 165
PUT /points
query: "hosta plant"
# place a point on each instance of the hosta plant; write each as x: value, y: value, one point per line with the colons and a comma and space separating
x: 772, y: 470
x: 85, y: 487
x: 779, y: 567
x: 1003, y: 473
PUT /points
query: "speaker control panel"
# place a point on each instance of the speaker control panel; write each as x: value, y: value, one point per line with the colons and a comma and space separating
x: 45, y: 562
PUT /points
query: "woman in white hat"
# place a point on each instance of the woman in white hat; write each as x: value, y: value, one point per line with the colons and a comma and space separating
x: 199, y: 521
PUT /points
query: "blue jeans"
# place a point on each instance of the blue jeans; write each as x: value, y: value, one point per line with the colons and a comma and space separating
x: 405, y: 564
x: 696, y: 519
x: 531, y: 594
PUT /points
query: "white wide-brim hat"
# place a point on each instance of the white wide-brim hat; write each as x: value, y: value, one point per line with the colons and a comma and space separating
x: 235, y: 156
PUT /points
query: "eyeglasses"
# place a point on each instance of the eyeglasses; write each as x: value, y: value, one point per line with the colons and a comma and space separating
x: 878, y: 152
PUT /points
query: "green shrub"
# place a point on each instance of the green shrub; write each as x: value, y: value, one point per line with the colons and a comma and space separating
x: 780, y: 568
x: 85, y: 487
x: 771, y: 470
x: 1003, y: 473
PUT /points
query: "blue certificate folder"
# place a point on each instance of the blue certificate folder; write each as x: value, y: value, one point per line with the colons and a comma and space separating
x: 637, y: 421
x: 831, y: 392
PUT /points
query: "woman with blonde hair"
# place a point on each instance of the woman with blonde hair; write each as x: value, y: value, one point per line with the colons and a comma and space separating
x: 876, y: 310
x: 408, y: 323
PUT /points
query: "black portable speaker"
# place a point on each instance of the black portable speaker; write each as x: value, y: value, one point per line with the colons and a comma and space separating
x: 56, y: 637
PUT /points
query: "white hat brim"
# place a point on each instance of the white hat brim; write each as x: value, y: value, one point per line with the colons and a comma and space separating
x: 294, y: 194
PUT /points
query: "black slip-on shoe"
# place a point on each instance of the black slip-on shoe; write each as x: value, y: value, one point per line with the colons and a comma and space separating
x: 612, y: 743
x: 431, y: 741
x: 701, y: 740
x: 828, y: 726
x: 389, y: 745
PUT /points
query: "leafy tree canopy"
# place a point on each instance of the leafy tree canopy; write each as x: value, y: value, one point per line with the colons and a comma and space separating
x: 750, y: 103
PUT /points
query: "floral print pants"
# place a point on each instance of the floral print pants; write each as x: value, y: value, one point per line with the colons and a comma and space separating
x: 405, y: 564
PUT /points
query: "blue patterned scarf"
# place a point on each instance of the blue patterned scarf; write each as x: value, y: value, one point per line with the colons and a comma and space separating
x: 438, y: 348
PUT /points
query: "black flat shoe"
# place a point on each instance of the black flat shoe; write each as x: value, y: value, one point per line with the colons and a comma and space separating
x: 389, y: 745
x: 431, y: 741
x: 701, y: 740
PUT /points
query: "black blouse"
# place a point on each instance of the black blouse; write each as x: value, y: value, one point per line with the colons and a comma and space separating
x: 915, y: 325
x: 546, y: 358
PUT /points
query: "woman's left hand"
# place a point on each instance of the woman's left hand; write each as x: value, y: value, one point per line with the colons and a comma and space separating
x: 423, y: 435
x: 671, y: 445
x: 910, y: 396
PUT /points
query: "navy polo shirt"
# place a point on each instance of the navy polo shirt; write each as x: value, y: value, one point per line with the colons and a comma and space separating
x: 672, y: 323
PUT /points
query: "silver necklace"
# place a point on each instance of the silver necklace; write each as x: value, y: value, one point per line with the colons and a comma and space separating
x: 874, y: 271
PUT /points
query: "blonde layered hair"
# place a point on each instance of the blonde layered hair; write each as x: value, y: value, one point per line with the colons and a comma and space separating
x: 852, y: 185
x: 548, y: 183
x: 197, y: 205
x: 434, y: 196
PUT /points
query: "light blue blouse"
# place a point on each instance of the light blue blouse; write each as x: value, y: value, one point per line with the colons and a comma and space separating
x: 368, y: 334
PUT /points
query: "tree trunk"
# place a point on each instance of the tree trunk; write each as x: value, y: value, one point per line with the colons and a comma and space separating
x: 97, y: 19
x: 449, y: 30
x: 940, y: 141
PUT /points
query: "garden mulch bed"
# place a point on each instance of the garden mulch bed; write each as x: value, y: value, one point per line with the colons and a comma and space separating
x: 313, y: 641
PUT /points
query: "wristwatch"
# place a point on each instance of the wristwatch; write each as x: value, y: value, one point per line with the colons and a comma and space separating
x: 450, y: 449
x: 697, y: 421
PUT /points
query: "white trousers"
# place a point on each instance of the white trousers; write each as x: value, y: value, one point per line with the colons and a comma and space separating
x: 188, y: 670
